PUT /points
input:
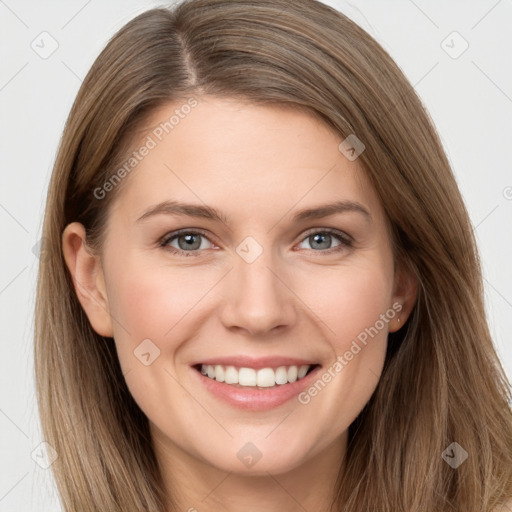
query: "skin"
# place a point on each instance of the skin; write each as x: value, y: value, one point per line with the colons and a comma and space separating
x: 258, y: 165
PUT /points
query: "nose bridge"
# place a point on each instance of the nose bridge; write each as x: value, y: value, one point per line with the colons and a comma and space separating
x: 258, y: 300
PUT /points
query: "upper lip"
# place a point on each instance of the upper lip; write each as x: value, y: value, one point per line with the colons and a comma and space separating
x: 242, y: 361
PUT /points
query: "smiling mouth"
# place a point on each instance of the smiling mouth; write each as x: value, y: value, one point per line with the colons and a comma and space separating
x: 262, y: 378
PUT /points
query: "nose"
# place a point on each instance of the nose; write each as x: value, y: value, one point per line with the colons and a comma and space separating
x: 258, y: 297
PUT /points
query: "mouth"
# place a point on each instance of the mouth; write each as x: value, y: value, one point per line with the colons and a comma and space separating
x: 255, y: 378
x: 255, y: 389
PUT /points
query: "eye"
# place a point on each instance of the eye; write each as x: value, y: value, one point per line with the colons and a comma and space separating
x: 322, y: 239
x: 188, y: 242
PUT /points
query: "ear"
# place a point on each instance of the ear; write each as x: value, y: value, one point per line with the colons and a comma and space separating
x: 405, y: 294
x: 87, y: 274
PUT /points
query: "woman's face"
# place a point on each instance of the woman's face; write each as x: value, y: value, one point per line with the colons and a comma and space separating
x: 268, y: 284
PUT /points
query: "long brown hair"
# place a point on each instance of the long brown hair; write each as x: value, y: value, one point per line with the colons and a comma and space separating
x: 442, y: 381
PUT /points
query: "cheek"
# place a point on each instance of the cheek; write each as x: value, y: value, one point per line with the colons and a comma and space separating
x: 153, y: 303
x: 347, y: 300
x: 156, y: 304
x: 350, y: 302
x: 353, y: 305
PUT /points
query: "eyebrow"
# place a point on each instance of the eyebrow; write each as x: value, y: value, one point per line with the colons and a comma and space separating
x: 207, y: 212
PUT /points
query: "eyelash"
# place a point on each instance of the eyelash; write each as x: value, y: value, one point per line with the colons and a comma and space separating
x: 345, y: 241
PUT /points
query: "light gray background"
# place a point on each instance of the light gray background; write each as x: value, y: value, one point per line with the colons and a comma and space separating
x: 468, y: 97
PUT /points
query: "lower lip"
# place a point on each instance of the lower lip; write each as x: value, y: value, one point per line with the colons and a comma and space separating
x: 254, y: 399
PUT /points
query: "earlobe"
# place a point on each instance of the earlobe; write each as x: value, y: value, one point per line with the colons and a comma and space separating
x: 406, y: 291
x: 88, y: 279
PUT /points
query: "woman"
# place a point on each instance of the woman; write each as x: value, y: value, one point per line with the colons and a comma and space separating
x: 195, y: 348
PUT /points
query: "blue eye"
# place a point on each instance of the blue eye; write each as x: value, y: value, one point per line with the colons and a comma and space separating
x: 322, y: 239
x: 190, y: 243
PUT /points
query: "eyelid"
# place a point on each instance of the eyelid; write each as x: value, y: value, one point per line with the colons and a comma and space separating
x: 331, y: 231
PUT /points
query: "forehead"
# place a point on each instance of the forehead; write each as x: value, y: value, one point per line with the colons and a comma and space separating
x: 228, y: 152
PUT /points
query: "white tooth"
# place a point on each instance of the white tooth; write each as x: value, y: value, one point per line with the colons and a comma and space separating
x: 247, y: 377
x: 265, y: 378
x: 231, y: 375
x: 292, y: 374
x: 281, y: 375
x: 219, y: 373
x: 303, y: 370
